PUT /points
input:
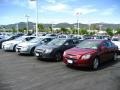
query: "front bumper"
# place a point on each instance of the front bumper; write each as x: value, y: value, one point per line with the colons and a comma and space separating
x: 44, y: 55
x: 79, y: 63
x: 23, y: 50
x: 7, y: 47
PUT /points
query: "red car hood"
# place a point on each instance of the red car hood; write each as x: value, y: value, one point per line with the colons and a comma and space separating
x: 80, y: 51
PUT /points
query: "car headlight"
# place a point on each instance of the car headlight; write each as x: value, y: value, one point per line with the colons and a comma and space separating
x: 86, y: 56
x: 48, y: 50
x: 26, y: 47
x: 11, y: 44
x: 64, y: 54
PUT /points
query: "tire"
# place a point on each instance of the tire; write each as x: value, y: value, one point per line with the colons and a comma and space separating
x: 32, y: 51
x: 115, y: 57
x: 95, y: 64
x: 14, y: 48
x: 58, y: 57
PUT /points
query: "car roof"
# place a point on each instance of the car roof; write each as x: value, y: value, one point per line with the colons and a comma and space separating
x: 97, y: 40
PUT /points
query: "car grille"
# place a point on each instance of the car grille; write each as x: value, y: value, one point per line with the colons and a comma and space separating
x: 19, y: 46
x: 40, y: 50
x: 72, y: 57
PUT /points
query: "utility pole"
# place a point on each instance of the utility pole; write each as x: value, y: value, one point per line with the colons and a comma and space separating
x: 78, y: 14
x: 27, y: 23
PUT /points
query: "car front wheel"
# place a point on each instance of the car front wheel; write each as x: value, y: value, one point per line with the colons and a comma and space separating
x: 95, y: 64
x: 58, y: 57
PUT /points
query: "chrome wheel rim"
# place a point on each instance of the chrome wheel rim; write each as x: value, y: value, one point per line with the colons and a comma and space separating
x: 115, y: 56
x: 58, y: 57
x: 95, y: 64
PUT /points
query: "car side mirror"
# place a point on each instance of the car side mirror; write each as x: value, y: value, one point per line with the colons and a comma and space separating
x: 102, y: 47
x: 42, y: 42
x: 66, y: 44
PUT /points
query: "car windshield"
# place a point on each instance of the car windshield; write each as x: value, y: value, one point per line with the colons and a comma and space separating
x: 20, y: 38
x: 57, y: 42
x: 35, y: 40
x: 115, y: 39
x: 88, y: 44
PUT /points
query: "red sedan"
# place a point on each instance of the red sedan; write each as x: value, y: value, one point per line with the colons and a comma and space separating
x: 91, y: 53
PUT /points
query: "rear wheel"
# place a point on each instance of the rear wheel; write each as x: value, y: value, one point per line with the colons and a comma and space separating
x: 32, y: 51
x: 95, y: 64
x: 58, y: 57
x: 115, y: 57
x: 14, y: 48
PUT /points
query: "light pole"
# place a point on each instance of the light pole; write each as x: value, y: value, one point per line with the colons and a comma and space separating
x: 27, y: 23
x: 100, y: 27
x: 36, y: 16
x: 78, y: 14
x: 89, y: 27
x: 17, y: 28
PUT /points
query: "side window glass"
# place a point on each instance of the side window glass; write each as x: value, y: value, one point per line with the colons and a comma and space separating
x: 105, y: 44
x: 66, y: 44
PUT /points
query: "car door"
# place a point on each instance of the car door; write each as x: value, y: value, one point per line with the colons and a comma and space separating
x: 111, y: 48
x: 107, y: 51
x: 67, y: 45
x: 104, y: 51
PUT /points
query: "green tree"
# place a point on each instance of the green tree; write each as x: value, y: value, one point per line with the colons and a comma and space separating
x: 118, y: 31
x: 83, y: 31
x: 109, y: 31
x: 21, y: 30
x: 50, y: 28
x: 94, y: 27
x: 41, y: 28
x: 64, y: 30
x: 14, y: 30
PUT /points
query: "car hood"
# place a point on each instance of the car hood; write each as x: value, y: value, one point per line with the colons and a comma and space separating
x: 80, y: 51
x: 27, y: 44
x: 12, y: 41
x: 116, y: 43
x: 46, y: 47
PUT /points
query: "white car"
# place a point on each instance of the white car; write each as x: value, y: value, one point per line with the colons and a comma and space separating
x: 11, y: 45
x: 116, y: 41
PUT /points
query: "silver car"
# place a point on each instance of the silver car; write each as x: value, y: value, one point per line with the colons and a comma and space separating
x: 11, y: 45
x: 28, y: 47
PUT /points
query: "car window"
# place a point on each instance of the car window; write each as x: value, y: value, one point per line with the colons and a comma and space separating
x: 75, y: 41
x: 107, y: 44
x: 57, y: 42
x: 89, y: 44
x: 69, y: 42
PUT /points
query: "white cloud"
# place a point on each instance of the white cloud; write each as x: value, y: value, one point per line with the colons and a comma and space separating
x: 108, y: 11
x: 84, y: 10
x: 17, y: 2
x: 31, y: 4
x: 56, y: 7
x: 51, y: 1
x: 23, y: 3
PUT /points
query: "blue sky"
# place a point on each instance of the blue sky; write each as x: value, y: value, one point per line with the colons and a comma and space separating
x: 57, y: 11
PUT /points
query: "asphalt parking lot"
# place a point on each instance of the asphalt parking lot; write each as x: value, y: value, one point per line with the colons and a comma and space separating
x: 28, y: 73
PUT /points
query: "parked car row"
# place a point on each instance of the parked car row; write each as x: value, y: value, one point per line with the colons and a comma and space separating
x: 72, y: 51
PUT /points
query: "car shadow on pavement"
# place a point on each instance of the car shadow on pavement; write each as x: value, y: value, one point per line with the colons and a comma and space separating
x: 108, y: 64
x: 49, y: 60
x: 29, y: 55
x: 101, y: 67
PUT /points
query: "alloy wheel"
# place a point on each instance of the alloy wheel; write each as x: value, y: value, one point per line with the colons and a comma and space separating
x: 58, y: 57
x: 115, y: 57
x: 95, y: 63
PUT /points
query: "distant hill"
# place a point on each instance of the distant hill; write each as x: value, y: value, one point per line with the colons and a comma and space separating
x: 22, y: 25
